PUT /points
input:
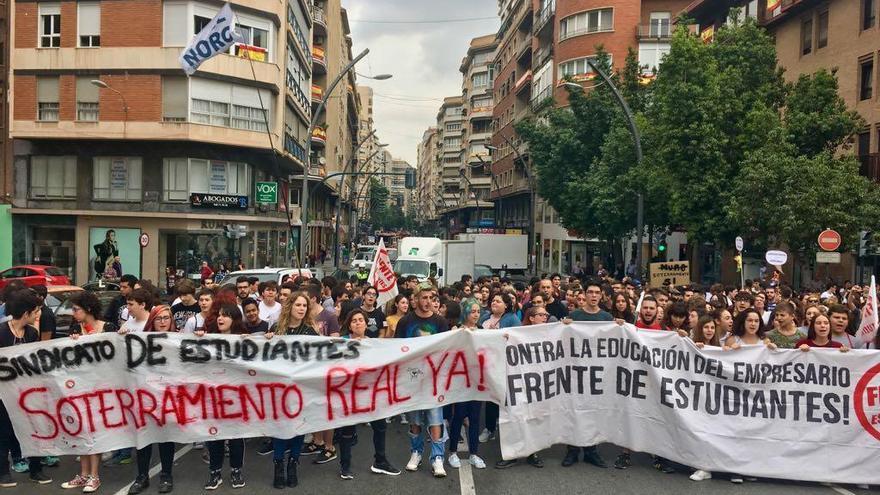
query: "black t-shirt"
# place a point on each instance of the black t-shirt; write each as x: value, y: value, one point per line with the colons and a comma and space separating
x: 181, y: 312
x: 375, y: 322
x: 7, y: 339
x: 557, y: 309
x: 413, y: 325
x: 302, y: 329
x: 262, y: 326
x: 114, y: 311
x: 109, y: 327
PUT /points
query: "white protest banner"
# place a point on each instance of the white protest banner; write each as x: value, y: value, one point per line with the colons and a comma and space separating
x: 382, y: 276
x: 868, y: 324
x: 214, y: 39
x: 106, y: 392
x: 812, y: 416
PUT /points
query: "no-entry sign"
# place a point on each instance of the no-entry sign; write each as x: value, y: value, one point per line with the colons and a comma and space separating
x: 829, y: 240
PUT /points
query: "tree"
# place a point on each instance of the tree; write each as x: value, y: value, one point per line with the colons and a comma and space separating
x: 378, y: 201
x: 816, y: 117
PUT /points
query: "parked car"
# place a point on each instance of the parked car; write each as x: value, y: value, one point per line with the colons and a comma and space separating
x: 33, y: 275
x: 64, y: 312
x: 279, y: 275
x: 57, y: 294
x: 101, y: 286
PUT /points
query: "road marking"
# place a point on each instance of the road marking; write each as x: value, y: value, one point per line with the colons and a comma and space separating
x: 465, y: 473
x: 158, y: 467
x: 841, y: 491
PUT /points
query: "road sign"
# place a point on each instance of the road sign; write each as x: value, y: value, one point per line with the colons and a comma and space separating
x: 739, y: 243
x: 829, y: 240
x: 776, y: 258
x: 267, y: 192
x: 832, y: 257
x: 144, y: 240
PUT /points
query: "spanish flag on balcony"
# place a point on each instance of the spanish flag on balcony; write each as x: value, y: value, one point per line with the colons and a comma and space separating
x: 772, y: 4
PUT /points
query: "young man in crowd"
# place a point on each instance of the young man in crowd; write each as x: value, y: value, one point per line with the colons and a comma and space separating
x: 286, y: 289
x: 197, y: 321
x: 328, y: 283
x: 117, y: 312
x: 270, y: 309
x: 326, y: 320
x: 46, y: 323
x: 648, y: 315
x: 242, y: 289
x: 139, y: 303
x: 254, y: 283
x: 423, y: 321
x: 188, y: 306
x: 253, y: 322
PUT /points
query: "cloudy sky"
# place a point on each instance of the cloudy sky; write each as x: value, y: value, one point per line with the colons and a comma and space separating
x: 423, y: 57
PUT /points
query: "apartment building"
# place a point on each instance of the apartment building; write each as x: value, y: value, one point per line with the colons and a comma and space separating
x: 428, y: 197
x: 540, y: 43
x: 450, y: 132
x: 113, y: 144
x: 336, y: 136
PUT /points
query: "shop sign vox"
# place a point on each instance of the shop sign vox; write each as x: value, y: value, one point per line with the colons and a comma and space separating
x: 267, y: 192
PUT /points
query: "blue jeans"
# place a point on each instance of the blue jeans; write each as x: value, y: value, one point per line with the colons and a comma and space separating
x: 281, y: 445
x: 427, y: 418
x: 471, y: 411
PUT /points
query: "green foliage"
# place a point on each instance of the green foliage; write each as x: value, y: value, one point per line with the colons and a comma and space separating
x: 378, y: 202
x: 816, y: 116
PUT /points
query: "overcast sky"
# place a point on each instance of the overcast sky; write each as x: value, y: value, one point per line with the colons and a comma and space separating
x: 423, y: 57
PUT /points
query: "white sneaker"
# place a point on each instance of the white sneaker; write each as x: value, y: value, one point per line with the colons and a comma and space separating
x: 863, y: 486
x: 477, y: 462
x: 454, y: 461
x: 414, y: 461
x: 437, y: 467
x: 484, y: 435
x: 700, y: 475
x: 736, y: 479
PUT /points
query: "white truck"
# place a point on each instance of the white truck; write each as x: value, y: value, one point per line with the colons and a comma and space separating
x: 500, y: 251
x: 430, y: 257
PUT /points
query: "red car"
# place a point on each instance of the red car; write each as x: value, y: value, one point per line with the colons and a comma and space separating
x: 34, y: 275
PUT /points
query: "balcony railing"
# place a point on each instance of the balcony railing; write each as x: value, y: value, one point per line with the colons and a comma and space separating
x: 655, y: 32
x: 539, y: 100
x: 292, y: 146
x: 319, y: 135
x: 318, y: 16
x: 317, y: 93
x: 319, y: 59
x: 870, y: 166
x: 543, y: 17
x: 541, y: 56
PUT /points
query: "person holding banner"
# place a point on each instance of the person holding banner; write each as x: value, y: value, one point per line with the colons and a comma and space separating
x: 160, y: 320
x: 470, y: 409
x: 23, y: 308
x: 748, y: 329
x: 786, y: 335
x: 423, y: 321
x: 839, y: 318
x: 500, y: 315
x: 295, y: 319
x: 355, y: 327
x: 819, y: 334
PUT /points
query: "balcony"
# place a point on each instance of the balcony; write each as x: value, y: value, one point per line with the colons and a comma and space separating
x: 542, y: 55
x: 317, y: 94
x: 656, y: 32
x: 319, y: 136
x: 870, y: 166
x: 482, y: 112
x: 540, y: 100
x: 292, y: 146
x: 525, y: 82
x: 319, y: 61
x: 544, y: 17
x: 524, y: 52
x: 320, y: 21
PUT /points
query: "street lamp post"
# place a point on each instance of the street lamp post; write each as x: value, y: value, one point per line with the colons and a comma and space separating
x: 336, y: 247
x: 304, y: 214
x: 532, y: 196
x: 640, y: 201
x: 101, y: 84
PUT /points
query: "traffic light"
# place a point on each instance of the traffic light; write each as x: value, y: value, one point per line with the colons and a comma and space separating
x: 409, y: 180
x: 661, y: 245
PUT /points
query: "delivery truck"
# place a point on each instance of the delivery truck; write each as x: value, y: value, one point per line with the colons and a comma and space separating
x: 500, y: 251
x: 430, y: 257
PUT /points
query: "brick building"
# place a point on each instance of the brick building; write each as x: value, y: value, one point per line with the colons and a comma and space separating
x: 110, y: 135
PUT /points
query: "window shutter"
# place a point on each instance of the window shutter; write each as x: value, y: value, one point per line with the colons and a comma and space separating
x: 85, y: 90
x: 89, y: 17
x: 47, y: 89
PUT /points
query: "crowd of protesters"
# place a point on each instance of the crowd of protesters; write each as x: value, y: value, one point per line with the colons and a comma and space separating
x: 763, y: 313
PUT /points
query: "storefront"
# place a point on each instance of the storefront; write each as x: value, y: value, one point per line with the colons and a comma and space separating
x: 44, y: 239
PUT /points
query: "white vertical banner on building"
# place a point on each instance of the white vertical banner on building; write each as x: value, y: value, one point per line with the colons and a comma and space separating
x: 213, y: 39
x: 868, y: 326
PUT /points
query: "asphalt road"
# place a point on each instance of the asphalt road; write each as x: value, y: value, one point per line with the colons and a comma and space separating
x: 190, y: 473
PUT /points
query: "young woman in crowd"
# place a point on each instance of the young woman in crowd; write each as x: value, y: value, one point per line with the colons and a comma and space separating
x: 469, y: 410
x: 87, y: 321
x: 500, y: 316
x: 786, y: 334
x: 160, y: 320
x: 228, y: 320
x: 723, y: 322
x: 295, y: 319
x: 694, y: 315
x: 705, y: 333
x: 622, y: 308
x: 23, y: 308
x: 819, y: 335
x: 536, y: 315
x: 748, y: 329
x: 355, y: 327
x: 675, y: 319
x: 398, y: 308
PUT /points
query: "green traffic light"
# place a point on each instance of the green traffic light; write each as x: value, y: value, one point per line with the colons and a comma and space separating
x: 661, y: 247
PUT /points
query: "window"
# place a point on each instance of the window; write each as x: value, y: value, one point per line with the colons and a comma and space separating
x: 481, y: 104
x: 175, y: 94
x: 866, y: 79
x: 174, y: 25
x: 822, y: 30
x: 86, y: 100
x: 212, y: 105
x: 52, y: 177
x: 50, y: 25
x: 456, y: 126
x: 869, y: 13
x: 47, y: 99
x: 294, y: 196
x: 117, y: 178
x: 807, y: 37
x: 660, y: 24
x: 182, y: 176
x: 651, y: 55
x: 480, y: 80
x: 89, y: 18
x: 200, y: 22
x: 591, y: 21
x: 577, y: 67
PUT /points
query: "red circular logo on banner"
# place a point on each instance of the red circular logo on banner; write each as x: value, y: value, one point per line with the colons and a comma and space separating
x: 829, y: 240
x: 867, y: 401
